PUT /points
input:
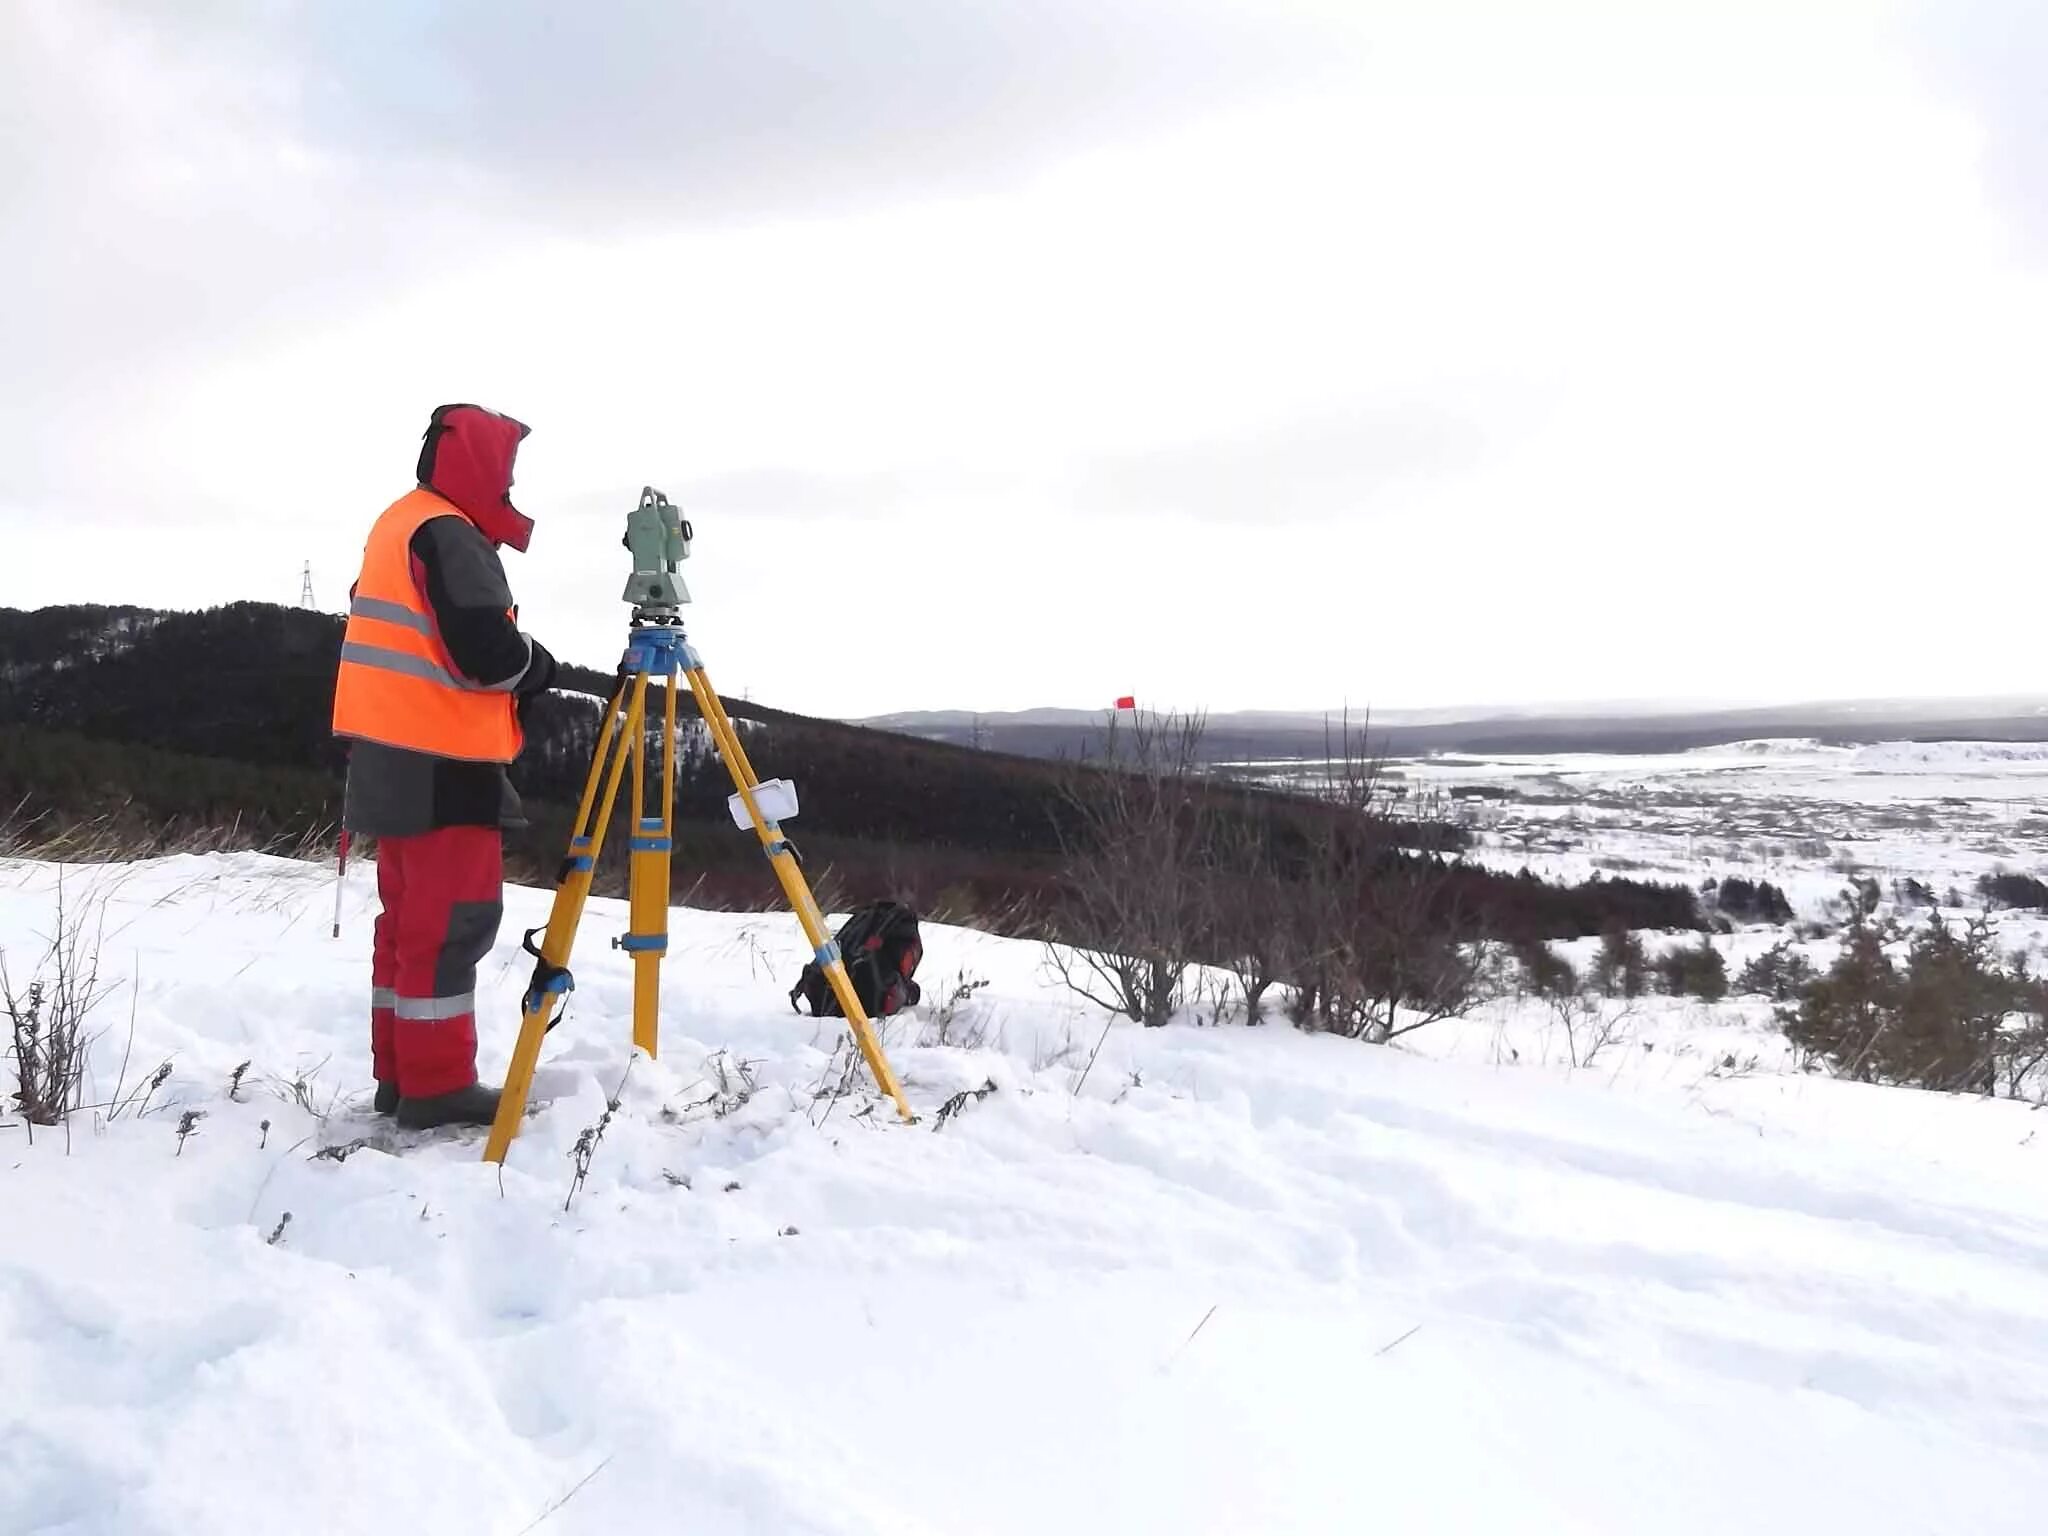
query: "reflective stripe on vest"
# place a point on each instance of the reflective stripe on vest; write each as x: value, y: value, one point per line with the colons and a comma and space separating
x: 396, y: 684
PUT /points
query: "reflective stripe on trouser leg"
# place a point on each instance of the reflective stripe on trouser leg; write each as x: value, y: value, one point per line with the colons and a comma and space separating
x: 434, y: 1007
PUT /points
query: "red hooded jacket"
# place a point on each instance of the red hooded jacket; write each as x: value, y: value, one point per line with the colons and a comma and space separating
x: 467, y: 457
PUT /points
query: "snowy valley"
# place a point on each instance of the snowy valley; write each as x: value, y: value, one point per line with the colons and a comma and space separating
x: 1625, y: 1270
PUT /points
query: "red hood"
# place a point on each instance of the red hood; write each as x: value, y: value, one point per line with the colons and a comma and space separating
x: 468, y: 459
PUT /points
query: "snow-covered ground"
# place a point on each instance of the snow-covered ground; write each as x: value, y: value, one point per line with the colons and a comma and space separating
x: 1221, y: 1280
x: 1804, y: 816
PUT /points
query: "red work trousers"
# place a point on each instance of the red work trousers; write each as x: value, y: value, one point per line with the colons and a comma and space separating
x: 443, y: 898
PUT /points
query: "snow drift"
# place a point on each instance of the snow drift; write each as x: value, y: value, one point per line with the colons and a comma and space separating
x: 1220, y: 1280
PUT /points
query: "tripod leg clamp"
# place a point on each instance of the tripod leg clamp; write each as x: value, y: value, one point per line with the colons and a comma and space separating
x: 580, y: 859
x: 549, y: 981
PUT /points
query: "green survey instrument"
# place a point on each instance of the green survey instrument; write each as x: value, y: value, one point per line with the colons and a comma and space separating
x: 657, y: 653
x: 658, y: 537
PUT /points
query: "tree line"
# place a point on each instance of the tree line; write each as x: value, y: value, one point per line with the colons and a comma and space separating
x: 222, y: 715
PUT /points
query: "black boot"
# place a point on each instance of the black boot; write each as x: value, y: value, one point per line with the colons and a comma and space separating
x: 474, y: 1105
x: 386, y: 1102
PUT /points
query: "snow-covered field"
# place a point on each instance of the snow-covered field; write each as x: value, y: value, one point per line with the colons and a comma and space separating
x: 1221, y: 1280
x: 1805, y: 816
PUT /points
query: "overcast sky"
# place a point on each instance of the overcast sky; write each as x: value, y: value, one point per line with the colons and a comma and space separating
x: 1236, y: 353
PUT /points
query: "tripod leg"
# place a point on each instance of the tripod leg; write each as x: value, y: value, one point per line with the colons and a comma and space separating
x: 572, y: 890
x: 795, y: 887
x: 646, y: 938
x: 652, y: 899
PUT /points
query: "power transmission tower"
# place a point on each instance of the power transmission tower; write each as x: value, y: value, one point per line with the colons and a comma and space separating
x: 306, y: 587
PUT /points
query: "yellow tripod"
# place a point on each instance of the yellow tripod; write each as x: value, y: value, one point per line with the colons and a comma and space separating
x: 656, y: 648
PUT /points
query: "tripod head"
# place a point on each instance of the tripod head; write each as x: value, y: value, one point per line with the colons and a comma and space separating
x: 658, y: 536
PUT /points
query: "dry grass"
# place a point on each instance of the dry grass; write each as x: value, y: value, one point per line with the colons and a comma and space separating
x: 120, y: 836
x: 957, y: 1019
x: 48, y: 1011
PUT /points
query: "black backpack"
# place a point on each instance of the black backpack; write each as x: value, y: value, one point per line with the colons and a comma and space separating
x: 881, y: 948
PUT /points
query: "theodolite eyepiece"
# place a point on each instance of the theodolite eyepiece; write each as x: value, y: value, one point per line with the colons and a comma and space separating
x: 659, y: 538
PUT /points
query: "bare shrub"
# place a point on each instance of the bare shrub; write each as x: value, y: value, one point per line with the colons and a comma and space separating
x: 1134, y: 905
x: 732, y: 1083
x: 960, y: 1101
x: 2024, y: 1046
x: 954, y: 1020
x: 1378, y: 927
x: 47, y: 1013
x: 300, y: 1089
x: 591, y: 1136
x: 1397, y: 966
x: 1045, y: 1055
x: 1252, y: 909
x: 1591, y: 1024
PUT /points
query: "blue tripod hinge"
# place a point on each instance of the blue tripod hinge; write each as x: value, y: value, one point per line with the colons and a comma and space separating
x: 548, y: 980
x: 644, y: 943
x: 655, y: 650
x: 558, y: 984
x: 828, y: 952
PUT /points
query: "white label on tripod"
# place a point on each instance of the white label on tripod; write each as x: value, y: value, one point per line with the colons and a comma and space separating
x: 775, y: 797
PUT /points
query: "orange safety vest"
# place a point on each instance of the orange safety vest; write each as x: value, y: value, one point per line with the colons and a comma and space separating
x: 397, y: 684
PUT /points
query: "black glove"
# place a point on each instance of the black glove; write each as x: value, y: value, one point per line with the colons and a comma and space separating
x: 539, y: 676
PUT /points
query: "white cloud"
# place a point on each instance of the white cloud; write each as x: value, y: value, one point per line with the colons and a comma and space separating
x: 1642, y: 350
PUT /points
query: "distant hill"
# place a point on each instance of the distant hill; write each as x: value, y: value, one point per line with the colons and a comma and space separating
x: 248, y: 687
x: 160, y: 725
x: 1253, y: 736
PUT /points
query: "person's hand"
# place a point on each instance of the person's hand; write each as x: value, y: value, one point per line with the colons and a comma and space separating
x: 540, y: 671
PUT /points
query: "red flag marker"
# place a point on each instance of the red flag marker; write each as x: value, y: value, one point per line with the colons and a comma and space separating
x: 1127, y: 702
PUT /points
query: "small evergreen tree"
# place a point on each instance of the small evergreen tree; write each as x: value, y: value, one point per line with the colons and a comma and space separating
x: 1694, y: 970
x: 1954, y: 997
x: 1779, y: 973
x: 2023, y: 892
x: 1622, y: 968
x: 1544, y: 971
x: 1844, y: 1015
x: 1751, y: 901
x: 1912, y: 894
